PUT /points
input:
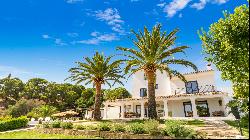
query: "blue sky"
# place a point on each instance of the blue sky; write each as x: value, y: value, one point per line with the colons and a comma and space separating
x: 43, y: 38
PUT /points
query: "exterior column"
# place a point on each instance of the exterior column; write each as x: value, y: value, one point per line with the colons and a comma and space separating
x: 142, y: 110
x: 122, y: 111
x: 105, y: 111
x: 224, y: 105
x: 195, y: 115
x: 165, y: 109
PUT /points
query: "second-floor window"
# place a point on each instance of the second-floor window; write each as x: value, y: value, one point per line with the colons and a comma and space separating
x: 192, y: 87
x: 143, y: 92
x: 145, y: 77
x: 156, y: 86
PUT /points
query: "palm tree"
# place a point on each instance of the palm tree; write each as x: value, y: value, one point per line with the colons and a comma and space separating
x: 97, y: 70
x: 153, y: 53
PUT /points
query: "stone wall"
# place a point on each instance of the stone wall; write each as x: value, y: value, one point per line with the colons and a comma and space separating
x: 102, y: 134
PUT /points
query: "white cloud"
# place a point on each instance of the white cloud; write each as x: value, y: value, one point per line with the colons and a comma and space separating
x: 95, y: 33
x: 98, y: 38
x: 74, y: 1
x: 176, y: 5
x: 112, y: 18
x: 161, y: 4
x: 219, y: 1
x: 200, y: 5
x: 92, y: 41
x: 59, y: 42
x: 45, y: 36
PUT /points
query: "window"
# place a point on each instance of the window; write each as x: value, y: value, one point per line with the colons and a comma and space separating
x: 143, y: 92
x: 145, y: 77
x: 220, y: 102
x: 192, y: 87
x: 156, y: 86
x: 188, y: 109
x: 202, y: 109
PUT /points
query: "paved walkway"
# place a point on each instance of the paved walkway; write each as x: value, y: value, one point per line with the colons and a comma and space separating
x: 218, y: 130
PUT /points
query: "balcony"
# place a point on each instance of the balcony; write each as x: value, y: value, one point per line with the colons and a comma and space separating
x: 199, y: 89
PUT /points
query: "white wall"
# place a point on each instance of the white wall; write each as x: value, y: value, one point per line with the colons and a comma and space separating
x: 203, y: 78
x: 113, y: 112
x: 162, y: 80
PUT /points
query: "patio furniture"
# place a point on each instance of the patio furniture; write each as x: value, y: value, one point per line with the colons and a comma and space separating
x: 131, y: 115
x: 218, y: 113
x: 190, y: 114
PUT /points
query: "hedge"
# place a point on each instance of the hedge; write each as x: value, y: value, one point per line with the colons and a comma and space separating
x: 13, y: 123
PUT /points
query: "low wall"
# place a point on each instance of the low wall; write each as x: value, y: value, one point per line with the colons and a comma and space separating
x: 102, y: 134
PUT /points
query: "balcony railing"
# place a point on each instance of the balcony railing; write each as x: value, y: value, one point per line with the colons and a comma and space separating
x: 201, y: 89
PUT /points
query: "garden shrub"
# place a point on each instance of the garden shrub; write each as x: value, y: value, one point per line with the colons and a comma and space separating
x: 56, y: 124
x: 91, y: 127
x: 118, y: 127
x: 80, y: 127
x: 5, y: 118
x: 136, y: 128
x: 176, y: 129
x: 151, y: 127
x: 104, y: 127
x: 67, y: 125
x: 46, y: 124
x: 13, y: 123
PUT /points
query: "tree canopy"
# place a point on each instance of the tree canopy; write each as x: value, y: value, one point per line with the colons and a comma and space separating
x: 226, y: 45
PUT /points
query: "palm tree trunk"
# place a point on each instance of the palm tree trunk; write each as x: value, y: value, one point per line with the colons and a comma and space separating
x: 152, y: 114
x: 97, y: 111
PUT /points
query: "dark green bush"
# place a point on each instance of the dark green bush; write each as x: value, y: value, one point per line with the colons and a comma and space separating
x: 80, y: 127
x: 136, y: 128
x: 56, y: 124
x: 151, y: 127
x: 104, y: 127
x: 118, y: 127
x: 13, y: 123
x: 67, y: 125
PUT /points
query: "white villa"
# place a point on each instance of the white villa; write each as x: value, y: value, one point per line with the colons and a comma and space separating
x: 197, y: 98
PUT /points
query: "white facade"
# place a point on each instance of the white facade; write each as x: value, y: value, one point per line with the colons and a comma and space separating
x: 199, y: 97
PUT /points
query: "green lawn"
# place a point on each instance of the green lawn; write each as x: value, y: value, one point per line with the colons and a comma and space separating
x: 36, y: 135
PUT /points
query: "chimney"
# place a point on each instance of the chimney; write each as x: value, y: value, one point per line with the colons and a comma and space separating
x: 209, y: 67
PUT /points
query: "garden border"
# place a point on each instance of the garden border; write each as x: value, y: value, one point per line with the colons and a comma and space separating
x: 102, y: 134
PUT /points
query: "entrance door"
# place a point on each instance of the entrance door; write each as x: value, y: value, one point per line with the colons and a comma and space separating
x: 188, y: 109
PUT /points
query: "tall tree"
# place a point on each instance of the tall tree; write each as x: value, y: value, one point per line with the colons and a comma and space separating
x: 117, y: 93
x: 35, y: 88
x: 153, y: 53
x: 227, y: 46
x: 98, y: 70
x: 10, y: 90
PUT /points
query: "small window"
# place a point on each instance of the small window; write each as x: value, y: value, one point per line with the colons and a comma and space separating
x: 156, y: 86
x: 192, y: 87
x: 145, y: 77
x: 220, y: 102
x: 143, y: 92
